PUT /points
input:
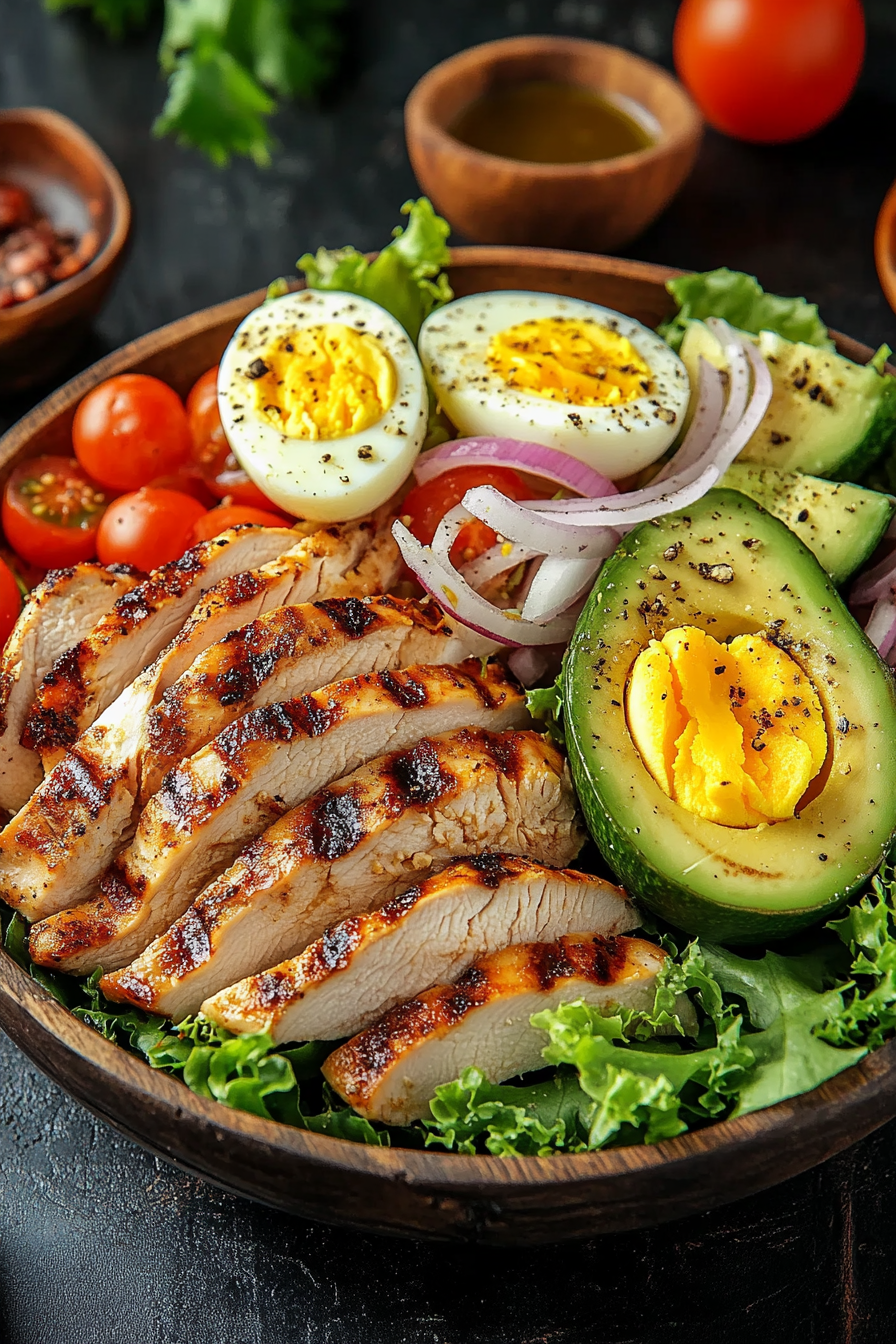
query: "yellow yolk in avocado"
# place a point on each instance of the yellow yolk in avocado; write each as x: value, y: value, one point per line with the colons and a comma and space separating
x: 323, y: 383
x: 569, y: 359
x: 733, y: 732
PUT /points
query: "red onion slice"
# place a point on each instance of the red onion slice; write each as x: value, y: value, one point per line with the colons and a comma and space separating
x: 496, y: 560
x: 705, y: 421
x: 558, y: 583
x: 574, y: 532
x: 535, y: 666
x: 534, y: 458
x: 881, y: 627
x: 454, y: 594
x: 875, y: 582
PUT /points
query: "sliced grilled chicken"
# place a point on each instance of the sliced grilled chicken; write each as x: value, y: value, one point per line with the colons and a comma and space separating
x: 391, y: 1071
x: 57, y: 614
x: 211, y: 805
x: 370, y: 963
x: 286, y: 653
x: 53, y: 853
x: 86, y: 678
x: 352, y: 847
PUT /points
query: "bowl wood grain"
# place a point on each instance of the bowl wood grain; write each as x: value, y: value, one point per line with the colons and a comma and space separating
x: 520, y: 1201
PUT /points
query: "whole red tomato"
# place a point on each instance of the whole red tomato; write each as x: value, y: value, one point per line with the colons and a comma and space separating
x: 147, y: 528
x: 10, y: 602
x: 769, y: 70
x: 130, y: 430
x: 220, y: 470
x: 232, y: 515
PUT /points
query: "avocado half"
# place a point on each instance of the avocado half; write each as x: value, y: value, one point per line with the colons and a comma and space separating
x: 730, y: 568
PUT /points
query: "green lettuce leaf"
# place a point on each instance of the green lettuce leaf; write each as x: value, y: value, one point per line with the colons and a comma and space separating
x: 867, y: 1016
x: 510, y: 1120
x: 741, y: 300
x: 406, y: 278
x: 546, y: 703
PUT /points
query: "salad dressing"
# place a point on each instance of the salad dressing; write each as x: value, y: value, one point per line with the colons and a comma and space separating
x: 543, y: 121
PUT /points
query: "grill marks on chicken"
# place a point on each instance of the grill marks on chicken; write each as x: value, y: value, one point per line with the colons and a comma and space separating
x: 256, y: 770
x: 353, y: 846
x: 368, y: 964
x: 287, y: 653
x: 88, y: 676
x: 53, y: 852
x: 391, y: 1071
x: 61, y: 610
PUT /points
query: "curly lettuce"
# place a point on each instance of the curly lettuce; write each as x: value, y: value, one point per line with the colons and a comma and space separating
x: 740, y: 299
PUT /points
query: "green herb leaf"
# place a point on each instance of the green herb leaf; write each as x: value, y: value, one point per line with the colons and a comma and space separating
x: 116, y: 17
x: 406, y: 278
x: 215, y: 105
x: 741, y: 300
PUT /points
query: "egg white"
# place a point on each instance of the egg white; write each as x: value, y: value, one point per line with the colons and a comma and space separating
x: 324, y: 480
x: 615, y: 440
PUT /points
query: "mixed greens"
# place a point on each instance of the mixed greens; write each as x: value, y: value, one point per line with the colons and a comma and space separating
x: 769, y: 1027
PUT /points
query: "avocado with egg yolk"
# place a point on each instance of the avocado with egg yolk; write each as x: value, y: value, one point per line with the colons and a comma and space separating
x: 813, y: 807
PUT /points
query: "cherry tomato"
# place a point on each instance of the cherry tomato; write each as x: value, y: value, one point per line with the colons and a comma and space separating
x: 188, y: 480
x: 147, y: 528
x: 427, y: 504
x: 51, y: 512
x: 231, y: 515
x: 211, y: 452
x: 10, y: 602
x: 769, y: 70
x: 131, y: 430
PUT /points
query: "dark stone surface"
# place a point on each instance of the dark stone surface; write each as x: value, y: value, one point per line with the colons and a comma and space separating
x: 100, y: 1242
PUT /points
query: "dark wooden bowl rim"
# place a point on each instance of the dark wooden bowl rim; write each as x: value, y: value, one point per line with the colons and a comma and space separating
x: 402, y: 1191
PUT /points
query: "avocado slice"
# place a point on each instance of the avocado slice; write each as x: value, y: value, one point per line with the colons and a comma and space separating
x: 728, y: 567
x: 841, y: 524
x: 828, y: 416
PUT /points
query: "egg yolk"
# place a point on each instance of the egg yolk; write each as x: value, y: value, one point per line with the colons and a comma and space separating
x: 733, y: 732
x: 572, y: 360
x: 323, y: 382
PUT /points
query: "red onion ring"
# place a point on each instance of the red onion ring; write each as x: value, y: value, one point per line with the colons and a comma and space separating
x: 534, y: 458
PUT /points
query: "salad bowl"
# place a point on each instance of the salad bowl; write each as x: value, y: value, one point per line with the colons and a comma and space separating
x: 407, y: 1192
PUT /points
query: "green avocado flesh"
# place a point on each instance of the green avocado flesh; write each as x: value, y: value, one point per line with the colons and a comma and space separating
x: 728, y: 567
x: 840, y: 523
x: 827, y: 417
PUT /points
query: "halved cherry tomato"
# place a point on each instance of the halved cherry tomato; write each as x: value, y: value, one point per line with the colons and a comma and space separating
x: 131, y: 430
x: 51, y: 511
x: 231, y: 515
x: 147, y: 528
x: 427, y: 504
x: 10, y: 602
x: 211, y: 452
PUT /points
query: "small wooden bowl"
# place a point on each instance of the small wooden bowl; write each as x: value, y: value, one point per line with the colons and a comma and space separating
x: 593, y: 206
x: 400, y: 1191
x: 76, y: 186
x: 885, y: 246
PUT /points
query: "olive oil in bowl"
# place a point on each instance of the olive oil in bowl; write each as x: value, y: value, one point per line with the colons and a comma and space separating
x: 541, y: 121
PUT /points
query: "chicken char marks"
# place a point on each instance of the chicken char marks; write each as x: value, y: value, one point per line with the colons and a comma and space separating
x: 391, y: 1071
x: 286, y: 653
x: 61, y: 611
x: 53, y: 853
x: 429, y: 934
x: 352, y: 847
x: 211, y: 805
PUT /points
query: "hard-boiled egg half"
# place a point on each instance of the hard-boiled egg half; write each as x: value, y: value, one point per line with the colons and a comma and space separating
x: 557, y: 371
x: 324, y: 403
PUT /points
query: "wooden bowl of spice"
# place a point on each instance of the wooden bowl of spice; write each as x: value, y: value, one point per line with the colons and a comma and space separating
x: 550, y: 141
x: 64, y: 221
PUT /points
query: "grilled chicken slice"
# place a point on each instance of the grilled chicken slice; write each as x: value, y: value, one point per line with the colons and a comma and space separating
x: 370, y: 963
x: 53, y: 852
x: 391, y: 1071
x: 211, y: 805
x: 57, y: 614
x: 286, y: 653
x: 352, y: 847
x: 87, y: 677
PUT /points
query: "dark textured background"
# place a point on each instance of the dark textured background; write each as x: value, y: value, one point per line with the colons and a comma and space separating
x: 101, y: 1243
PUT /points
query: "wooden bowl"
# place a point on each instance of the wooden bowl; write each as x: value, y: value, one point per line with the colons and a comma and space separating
x: 409, y: 1193
x: 595, y: 206
x: 885, y: 246
x: 75, y: 185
